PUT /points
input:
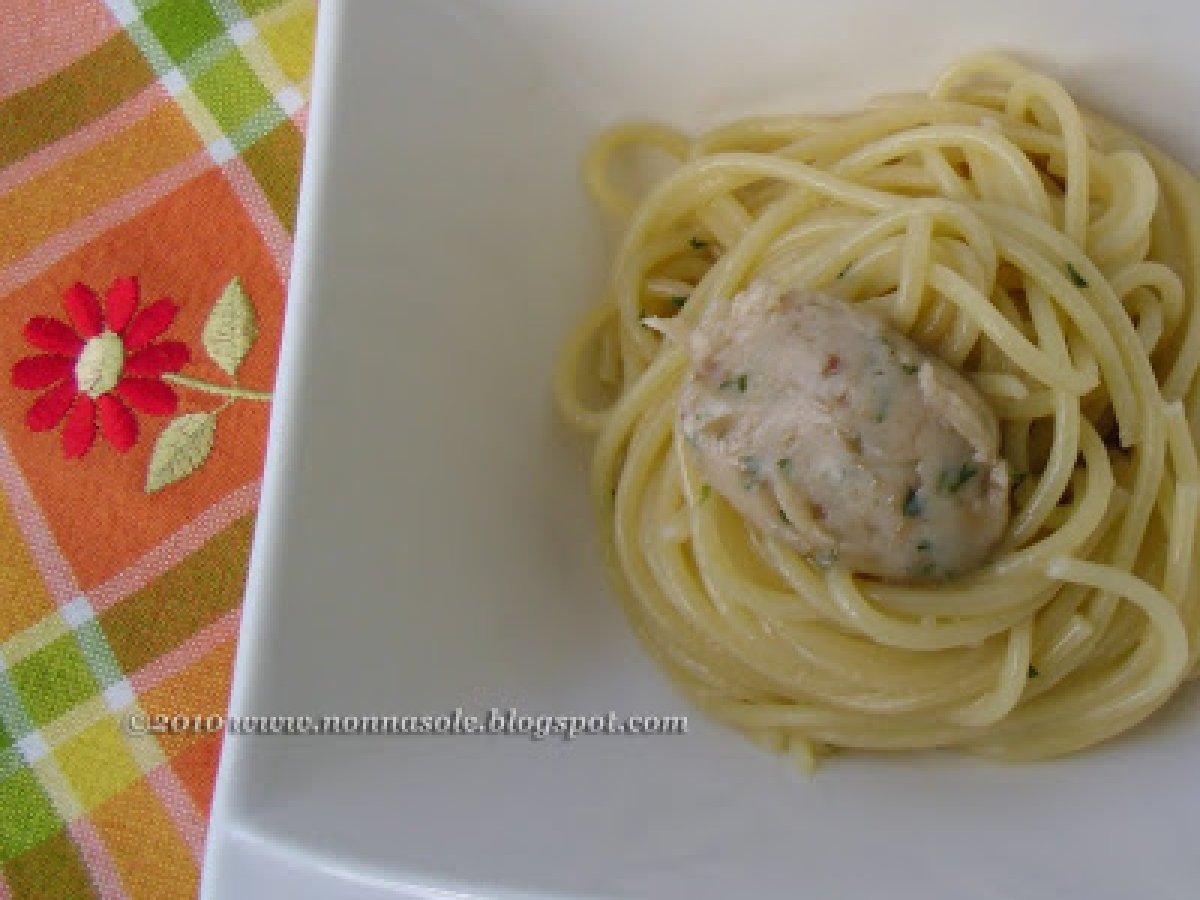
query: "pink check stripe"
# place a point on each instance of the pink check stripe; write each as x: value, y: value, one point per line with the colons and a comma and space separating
x: 97, y: 223
x: 182, y: 543
x: 100, y: 864
x: 56, y: 572
x: 180, y: 807
x: 207, y: 639
x: 247, y: 189
x: 109, y: 125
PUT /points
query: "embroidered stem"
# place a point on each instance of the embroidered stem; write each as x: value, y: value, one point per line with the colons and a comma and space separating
x: 221, y: 390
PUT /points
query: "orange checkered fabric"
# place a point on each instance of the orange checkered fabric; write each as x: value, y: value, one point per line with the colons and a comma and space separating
x: 149, y: 162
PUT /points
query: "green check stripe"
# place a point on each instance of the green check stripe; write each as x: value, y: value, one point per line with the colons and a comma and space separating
x: 234, y: 95
x: 254, y: 7
x: 14, y: 717
x: 10, y: 761
x: 258, y: 126
x: 206, y: 56
x: 53, y: 680
x: 191, y: 36
x: 97, y: 654
x: 159, y: 61
x: 245, y: 8
x: 231, y: 11
x: 26, y: 816
x: 182, y: 27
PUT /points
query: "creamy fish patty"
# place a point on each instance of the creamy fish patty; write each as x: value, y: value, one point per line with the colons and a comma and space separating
x: 831, y: 430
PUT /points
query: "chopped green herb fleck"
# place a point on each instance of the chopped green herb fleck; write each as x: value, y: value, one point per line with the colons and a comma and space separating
x: 912, y: 504
x: 751, y: 469
x: 783, y: 515
x: 741, y: 383
x: 953, y: 481
x: 705, y: 492
x: 1076, y: 279
x: 849, y: 266
x: 697, y: 243
x: 909, y: 368
x: 826, y: 559
x: 680, y: 302
x: 1019, y: 479
x: 924, y: 546
x: 785, y: 464
x: 1033, y: 672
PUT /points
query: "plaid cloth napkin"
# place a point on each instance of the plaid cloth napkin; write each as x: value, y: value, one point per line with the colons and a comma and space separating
x: 149, y: 161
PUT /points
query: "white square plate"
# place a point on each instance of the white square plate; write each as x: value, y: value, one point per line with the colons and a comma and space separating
x: 425, y: 542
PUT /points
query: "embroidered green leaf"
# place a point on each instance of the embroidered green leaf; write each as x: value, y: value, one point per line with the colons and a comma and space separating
x: 183, y: 445
x: 231, y: 328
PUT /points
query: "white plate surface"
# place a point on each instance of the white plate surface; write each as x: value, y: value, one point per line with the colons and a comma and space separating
x: 425, y: 541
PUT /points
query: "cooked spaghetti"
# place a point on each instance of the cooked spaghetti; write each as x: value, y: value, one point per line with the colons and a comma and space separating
x: 1040, y: 256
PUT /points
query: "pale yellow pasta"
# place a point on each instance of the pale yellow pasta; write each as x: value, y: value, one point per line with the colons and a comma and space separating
x: 1053, y: 258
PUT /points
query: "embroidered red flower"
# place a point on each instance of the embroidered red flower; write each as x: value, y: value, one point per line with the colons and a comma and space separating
x: 101, y: 366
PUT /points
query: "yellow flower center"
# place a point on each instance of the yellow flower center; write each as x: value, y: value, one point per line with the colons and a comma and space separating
x: 98, y: 368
